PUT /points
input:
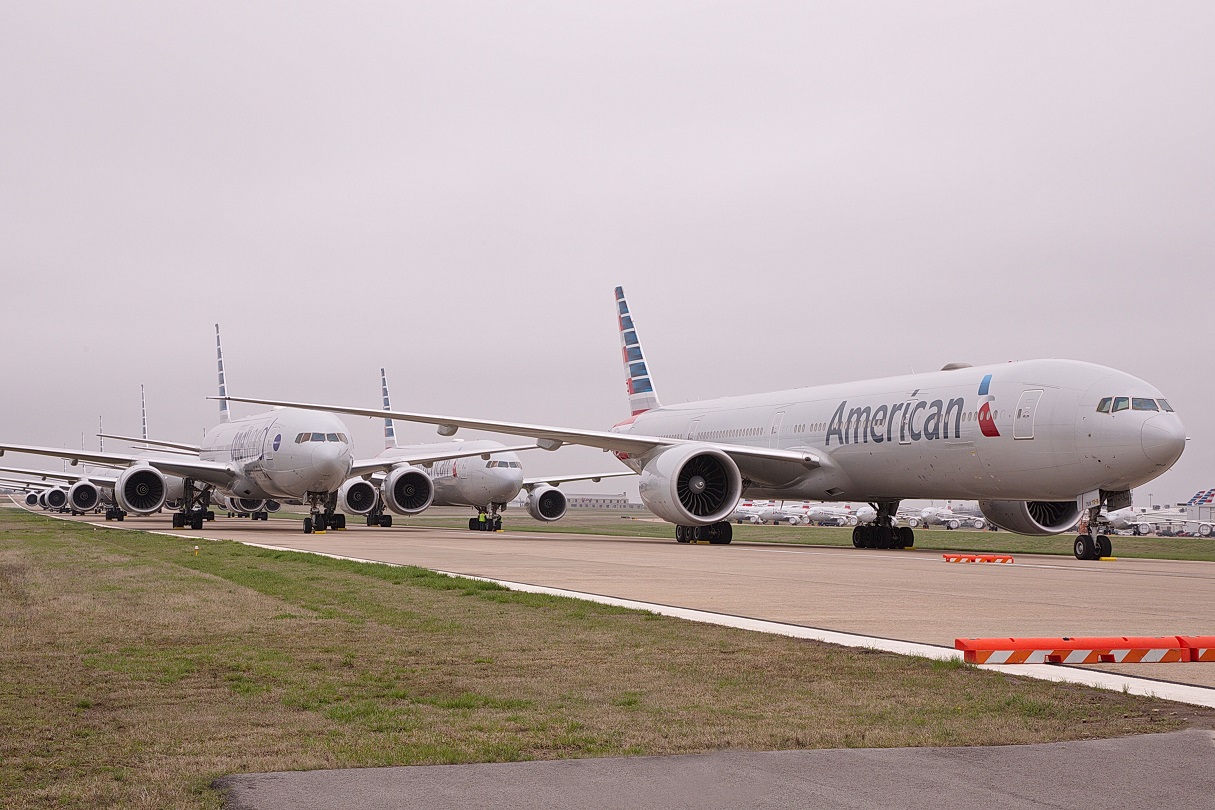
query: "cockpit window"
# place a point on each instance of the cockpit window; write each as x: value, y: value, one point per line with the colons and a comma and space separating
x: 1165, y: 406
x: 1143, y: 404
x: 303, y: 437
x: 1104, y: 405
x: 1121, y: 403
x: 342, y: 438
x: 331, y: 437
x: 496, y: 463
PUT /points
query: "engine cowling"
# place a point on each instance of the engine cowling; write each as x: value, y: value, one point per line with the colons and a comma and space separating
x: 84, y: 496
x: 140, y: 490
x: 271, y: 506
x: 31, y: 499
x: 407, y: 490
x: 1036, y: 518
x: 357, y: 497
x: 866, y: 514
x: 691, y: 485
x: 54, y: 498
x: 546, y: 503
x: 248, y: 505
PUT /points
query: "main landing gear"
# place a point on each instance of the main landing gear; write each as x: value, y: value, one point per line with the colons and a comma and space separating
x: 378, y: 518
x: 487, y: 520
x: 324, y: 517
x: 114, y: 513
x: 715, y: 534
x: 194, y: 502
x: 882, y: 533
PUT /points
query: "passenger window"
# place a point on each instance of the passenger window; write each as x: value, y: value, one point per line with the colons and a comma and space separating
x: 1143, y: 404
x: 1121, y: 403
x: 1164, y: 405
x: 1104, y: 405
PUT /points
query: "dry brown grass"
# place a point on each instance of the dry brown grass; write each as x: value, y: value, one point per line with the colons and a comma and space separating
x: 133, y: 673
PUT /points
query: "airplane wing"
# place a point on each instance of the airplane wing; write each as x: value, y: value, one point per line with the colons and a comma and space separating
x: 362, y: 467
x: 45, y: 475
x: 551, y: 438
x: 179, y: 447
x: 212, y: 472
x: 530, y: 483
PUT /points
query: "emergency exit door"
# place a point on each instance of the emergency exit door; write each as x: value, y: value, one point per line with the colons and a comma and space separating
x: 1027, y: 409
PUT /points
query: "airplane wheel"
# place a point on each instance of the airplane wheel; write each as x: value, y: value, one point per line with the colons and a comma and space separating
x: 307, y: 525
x: 210, y: 515
x: 196, y: 522
x: 385, y: 521
x: 337, y: 521
x: 1104, y: 547
x: 906, y: 537
x: 720, y: 534
x: 179, y: 520
x: 858, y: 537
x: 1084, y: 547
x: 472, y: 524
x: 682, y: 535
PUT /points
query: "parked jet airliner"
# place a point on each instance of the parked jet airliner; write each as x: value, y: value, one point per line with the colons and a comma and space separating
x: 1038, y: 443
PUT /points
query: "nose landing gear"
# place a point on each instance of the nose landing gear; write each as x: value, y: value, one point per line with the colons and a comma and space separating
x: 323, y: 517
x: 487, y: 520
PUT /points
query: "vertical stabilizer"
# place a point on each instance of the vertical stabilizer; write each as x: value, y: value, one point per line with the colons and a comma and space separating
x: 642, y: 396
x: 223, y: 388
x: 390, y: 434
x: 100, y: 438
x: 143, y: 411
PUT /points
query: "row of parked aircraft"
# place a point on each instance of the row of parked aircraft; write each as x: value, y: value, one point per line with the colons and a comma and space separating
x: 1040, y: 444
x: 805, y: 513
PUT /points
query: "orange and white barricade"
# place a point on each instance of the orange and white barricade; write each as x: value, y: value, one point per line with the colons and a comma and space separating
x: 1067, y: 650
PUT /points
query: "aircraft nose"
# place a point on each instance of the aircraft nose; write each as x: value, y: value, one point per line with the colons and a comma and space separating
x: 1163, y: 439
x: 330, y: 461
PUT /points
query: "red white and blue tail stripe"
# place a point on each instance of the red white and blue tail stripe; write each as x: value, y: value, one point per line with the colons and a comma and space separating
x: 642, y: 396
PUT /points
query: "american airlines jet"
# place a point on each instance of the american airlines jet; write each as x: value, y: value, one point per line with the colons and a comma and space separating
x: 483, y: 475
x: 1038, y: 443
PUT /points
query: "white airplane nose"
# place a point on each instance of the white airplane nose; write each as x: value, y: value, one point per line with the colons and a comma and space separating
x: 330, y: 462
x: 1163, y: 439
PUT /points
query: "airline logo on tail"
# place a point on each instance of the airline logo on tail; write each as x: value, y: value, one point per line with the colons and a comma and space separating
x: 640, y: 389
x: 987, y: 423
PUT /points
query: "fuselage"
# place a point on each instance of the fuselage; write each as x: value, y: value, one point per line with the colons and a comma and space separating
x: 285, y: 453
x: 472, y: 480
x: 1029, y: 430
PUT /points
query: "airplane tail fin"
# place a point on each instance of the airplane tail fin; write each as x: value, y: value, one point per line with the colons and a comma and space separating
x: 642, y: 396
x: 100, y: 438
x: 224, y: 416
x: 390, y: 434
x: 143, y: 412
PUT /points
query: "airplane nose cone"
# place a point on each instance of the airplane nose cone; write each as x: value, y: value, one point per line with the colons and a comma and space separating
x: 330, y: 462
x: 1163, y: 439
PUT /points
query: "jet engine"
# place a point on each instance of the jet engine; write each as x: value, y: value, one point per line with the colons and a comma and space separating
x: 54, y: 498
x: 31, y: 499
x: 248, y: 505
x: 1032, y: 517
x: 866, y: 514
x: 691, y: 485
x: 271, y: 506
x: 407, y: 490
x: 357, y: 497
x: 84, y: 496
x: 546, y: 503
x: 140, y: 490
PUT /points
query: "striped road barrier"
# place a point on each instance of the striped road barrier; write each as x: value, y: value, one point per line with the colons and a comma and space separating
x: 1068, y: 650
x: 979, y: 558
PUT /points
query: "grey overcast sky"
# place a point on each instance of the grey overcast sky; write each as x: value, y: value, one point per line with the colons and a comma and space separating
x: 791, y: 194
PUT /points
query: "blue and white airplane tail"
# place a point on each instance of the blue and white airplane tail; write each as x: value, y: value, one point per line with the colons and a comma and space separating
x: 390, y: 434
x: 223, y: 388
x: 642, y: 396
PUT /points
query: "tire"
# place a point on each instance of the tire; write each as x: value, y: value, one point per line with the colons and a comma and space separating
x: 385, y: 521
x: 196, y: 522
x: 720, y: 534
x: 906, y: 537
x: 953, y: 524
x: 858, y: 537
x: 979, y: 524
x: 1104, y: 547
x: 472, y: 524
x: 1084, y: 548
x: 682, y: 534
x: 307, y: 525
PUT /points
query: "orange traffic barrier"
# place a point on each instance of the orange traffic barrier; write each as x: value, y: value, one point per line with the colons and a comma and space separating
x: 1066, y: 650
x: 982, y: 558
x: 1200, y: 648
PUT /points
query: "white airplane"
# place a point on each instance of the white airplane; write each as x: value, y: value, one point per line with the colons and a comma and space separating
x: 823, y: 513
x: 482, y: 475
x: 947, y: 517
x: 282, y: 454
x: 1038, y: 443
x: 44, y: 494
x: 750, y: 511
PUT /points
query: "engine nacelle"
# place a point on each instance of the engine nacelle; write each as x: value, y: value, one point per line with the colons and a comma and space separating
x: 546, y: 503
x: 31, y: 498
x: 84, y: 496
x: 357, y: 497
x: 140, y: 490
x: 248, y: 505
x: 1036, y: 518
x: 54, y: 498
x: 271, y: 506
x: 407, y: 490
x: 691, y: 485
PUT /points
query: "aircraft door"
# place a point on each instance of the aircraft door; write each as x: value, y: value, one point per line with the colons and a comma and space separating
x: 774, y: 429
x: 1023, y: 420
x: 694, y: 429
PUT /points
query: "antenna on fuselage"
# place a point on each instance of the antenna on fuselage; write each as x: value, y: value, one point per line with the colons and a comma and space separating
x: 642, y: 396
x: 390, y: 434
x: 223, y: 388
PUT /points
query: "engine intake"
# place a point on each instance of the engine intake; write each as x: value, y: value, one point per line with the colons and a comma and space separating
x: 1036, y: 518
x: 54, y: 498
x: 691, y: 485
x: 31, y: 499
x: 357, y: 497
x: 249, y: 505
x: 407, y: 490
x: 140, y: 490
x: 84, y: 496
x: 546, y: 503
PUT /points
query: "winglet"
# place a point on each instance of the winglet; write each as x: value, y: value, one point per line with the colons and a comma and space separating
x: 223, y: 388
x: 642, y: 396
x: 390, y: 435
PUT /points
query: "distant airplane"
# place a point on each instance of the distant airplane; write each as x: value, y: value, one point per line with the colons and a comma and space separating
x: 483, y: 475
x: 1038, y: 442
x: 947, y: 517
